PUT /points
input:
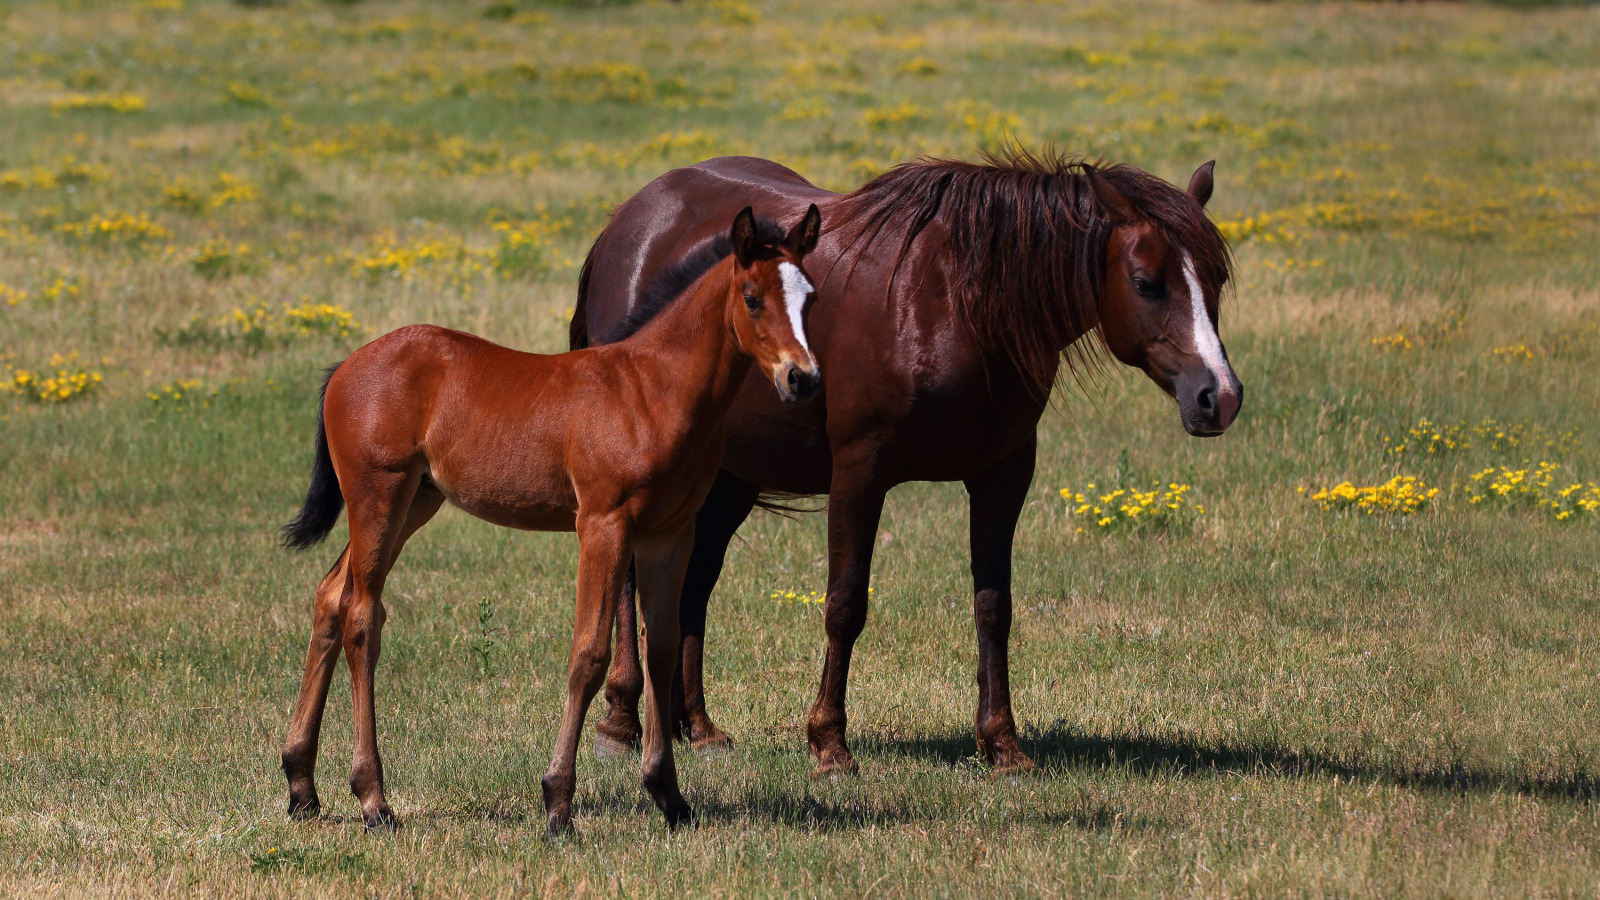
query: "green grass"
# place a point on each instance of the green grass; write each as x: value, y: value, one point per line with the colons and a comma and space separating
x: 1278, y: 700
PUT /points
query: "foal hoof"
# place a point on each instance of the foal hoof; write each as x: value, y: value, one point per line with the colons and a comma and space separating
x: 612, y: 741
x: 711, y: 743
x: 381, y: 819
x: 304, y: 810
x: 610, y: 748
x: 1017, y: 766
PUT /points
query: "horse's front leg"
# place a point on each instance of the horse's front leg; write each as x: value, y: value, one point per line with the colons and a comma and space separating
x: 604, y: 551
x: 997, y: 497
x: 661, y: 564
x: 719, y: 518
x: 855, y: 504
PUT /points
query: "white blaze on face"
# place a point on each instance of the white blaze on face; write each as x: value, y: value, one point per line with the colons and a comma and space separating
x: 1206, y: 342
x: 795, y: 291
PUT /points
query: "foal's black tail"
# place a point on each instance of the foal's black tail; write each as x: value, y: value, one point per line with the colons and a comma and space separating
x: 323, y: 499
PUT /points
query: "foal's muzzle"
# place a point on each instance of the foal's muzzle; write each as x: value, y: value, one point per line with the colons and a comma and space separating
x: 1206, y: 404
x: 796, y: 384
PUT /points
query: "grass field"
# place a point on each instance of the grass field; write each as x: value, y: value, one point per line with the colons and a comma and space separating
x: 203, y: 204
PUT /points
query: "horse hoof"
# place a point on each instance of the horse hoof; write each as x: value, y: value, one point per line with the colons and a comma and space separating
x: 304, y: 810
x: 381, y: 819
x: 559, y: 827
x: 837, y: 768
x: 608, y: 747
x: 1019, y: 765
x: 680, y: 816
x: 712, y: 744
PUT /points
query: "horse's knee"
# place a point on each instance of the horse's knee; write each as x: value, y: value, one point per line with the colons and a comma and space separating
x: 845, y: 614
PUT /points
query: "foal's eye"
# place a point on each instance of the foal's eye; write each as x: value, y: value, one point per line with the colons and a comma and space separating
x: 753, y: 302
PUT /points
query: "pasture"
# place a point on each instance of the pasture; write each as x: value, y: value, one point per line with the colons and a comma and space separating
x: 1287, y: 685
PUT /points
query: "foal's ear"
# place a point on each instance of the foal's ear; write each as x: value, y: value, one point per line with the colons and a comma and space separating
x: 802, y: 237
x: 1200, y: 182
x: 743, y: 237
x: 1116, y: 205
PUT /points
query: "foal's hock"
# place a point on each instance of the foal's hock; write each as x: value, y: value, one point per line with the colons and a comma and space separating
x: 619, y: 443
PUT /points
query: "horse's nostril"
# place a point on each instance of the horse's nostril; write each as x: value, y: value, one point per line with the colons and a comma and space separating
x: 1207, y: 400
x: 794, y: 379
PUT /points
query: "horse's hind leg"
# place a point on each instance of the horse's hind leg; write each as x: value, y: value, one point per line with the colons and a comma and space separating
x: 604, y: 551
x: 661, y: 565
x: 379, y: 515
x: 305, y: 727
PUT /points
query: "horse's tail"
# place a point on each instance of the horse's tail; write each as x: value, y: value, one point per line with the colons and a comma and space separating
x: 578, y: 330
x: 324, y: 500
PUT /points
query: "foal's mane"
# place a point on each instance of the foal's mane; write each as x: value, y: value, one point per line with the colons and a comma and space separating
x: 1027, y: 250
x: 676, y: 279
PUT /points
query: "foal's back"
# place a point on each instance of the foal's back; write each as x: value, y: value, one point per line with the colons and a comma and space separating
x: 490, y: 427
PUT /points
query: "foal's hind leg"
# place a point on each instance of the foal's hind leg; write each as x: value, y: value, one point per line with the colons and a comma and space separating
x: 661, y: 564
x: 305, y: 727
x: 604, y: 550
x: 380, y: 519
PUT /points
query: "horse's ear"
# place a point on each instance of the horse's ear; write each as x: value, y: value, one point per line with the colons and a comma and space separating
x: 1200, y: 182
x: 743, y: 237
x: 1110, y: 198
x: 803, y: 236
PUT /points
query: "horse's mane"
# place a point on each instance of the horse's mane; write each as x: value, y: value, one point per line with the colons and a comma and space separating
x: 1028, y: 244
x: 672, y: 281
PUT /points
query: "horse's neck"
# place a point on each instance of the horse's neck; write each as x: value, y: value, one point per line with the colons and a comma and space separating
x: 688, y: 353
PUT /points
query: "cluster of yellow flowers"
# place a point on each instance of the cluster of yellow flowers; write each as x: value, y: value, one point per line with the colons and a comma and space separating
x: 11, y: 296
x: 1518, y: 350
x: 1396, y: 341
x: 114, y: 228
x: 806, y: 598
x: 178, y: 395
x: 1535, y: 488
x: 217, y: 258
x: 1130, y: 508
x: 1428, y: 436
x: 59, y: 381
x: 70, y: 170
x: 522, y: 248
x: 259, y: 325
x: 226, y: 189
x: 121, y: 103
x: 1400, y: 495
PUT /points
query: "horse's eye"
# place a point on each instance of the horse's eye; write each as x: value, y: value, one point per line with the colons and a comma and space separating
x: 753, y: 302
x: 1147, y: 289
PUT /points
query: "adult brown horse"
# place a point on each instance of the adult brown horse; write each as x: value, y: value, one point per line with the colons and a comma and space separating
x: 620, y: 444
x: 954, y: 289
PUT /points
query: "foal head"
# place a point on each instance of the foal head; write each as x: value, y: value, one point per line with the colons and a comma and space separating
x: 769, y: 297
x: 1159, y: 308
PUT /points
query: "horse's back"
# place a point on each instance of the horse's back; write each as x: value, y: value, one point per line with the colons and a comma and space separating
x: 675, y: 214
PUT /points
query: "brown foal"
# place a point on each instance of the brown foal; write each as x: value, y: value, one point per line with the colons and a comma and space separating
x: 619, y: 443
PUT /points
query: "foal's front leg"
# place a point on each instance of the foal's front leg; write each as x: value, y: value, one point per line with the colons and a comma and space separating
x: 604, y: 550
x: 661, y: 565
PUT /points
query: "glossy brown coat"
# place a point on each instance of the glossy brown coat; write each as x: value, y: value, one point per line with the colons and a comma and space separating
x: 954, y: 289
x: 619, y: 443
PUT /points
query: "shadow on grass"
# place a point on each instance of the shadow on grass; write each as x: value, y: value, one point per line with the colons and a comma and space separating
x: 1059, y: 748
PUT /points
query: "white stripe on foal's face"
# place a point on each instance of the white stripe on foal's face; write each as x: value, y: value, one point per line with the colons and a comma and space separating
x: 795, y: 291
x: 1206, y: 342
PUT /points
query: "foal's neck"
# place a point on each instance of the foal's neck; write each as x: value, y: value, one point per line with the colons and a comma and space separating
x: 689, y: 351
